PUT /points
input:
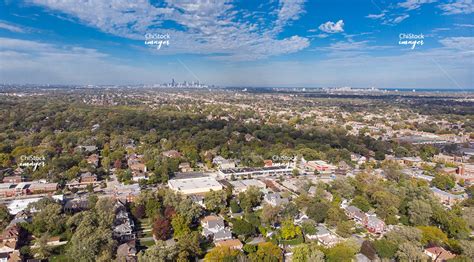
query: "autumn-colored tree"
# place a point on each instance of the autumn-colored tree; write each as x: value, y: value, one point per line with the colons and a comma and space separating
x: 267, y: 251
x: 161, y: 228
x: 222, y: 254
x: 170, y: 212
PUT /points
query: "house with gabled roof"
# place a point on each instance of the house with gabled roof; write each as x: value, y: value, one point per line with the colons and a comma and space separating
x: 213, y: 226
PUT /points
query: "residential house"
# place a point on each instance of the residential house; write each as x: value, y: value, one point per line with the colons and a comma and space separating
x: 355, y: 213
x: 438, y: 254
x: 134, y: 159
x: 93, y: 160
x: 123, y: 227
x: 324, y: 236
x: 88, y: 178
x: 327, y: 195
x: 21, y: 217
x: 412, y: 161
x: 172, y: 154
x: 198, y: 199
x: 185, y: 167
x: 213, y: 226
x: 86, y: 149
x: 242, y: 185
x: 275, y: 199
x: 374, y: 224
x: 127, y: 252
x: 76, y: 205
x: 10, y: 240
x: 126, y: 193
x: 138, y: 171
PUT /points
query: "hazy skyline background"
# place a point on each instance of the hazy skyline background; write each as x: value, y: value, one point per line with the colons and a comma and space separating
x: 286, y: 43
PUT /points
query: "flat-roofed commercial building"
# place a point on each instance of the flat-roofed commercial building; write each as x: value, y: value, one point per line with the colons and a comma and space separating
x: 256, y: 171
x: 196, y: 185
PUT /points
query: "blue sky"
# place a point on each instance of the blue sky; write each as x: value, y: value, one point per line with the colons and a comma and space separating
x: 313, y: 43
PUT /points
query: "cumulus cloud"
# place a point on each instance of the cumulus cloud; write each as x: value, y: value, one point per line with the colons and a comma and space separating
x: 203, y: 27
x: 331, y: 27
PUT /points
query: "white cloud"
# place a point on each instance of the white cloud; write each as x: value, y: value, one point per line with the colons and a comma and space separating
x: 205, y: 27
x: 414, y: 4
x: 331, y: 27
x: 319, y: 35
x: 374, y: 16
x: 453, y: 7
x: 399, y: 19
x: 457, y: 7
x: 50, y: 63
x: 465, y: 25
x: 289, y: 10
x: 11, y: 27
x: 459, y: 43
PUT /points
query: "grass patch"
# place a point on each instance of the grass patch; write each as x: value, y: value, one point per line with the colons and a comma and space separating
x: 292, y: 242
x: 147, y: 243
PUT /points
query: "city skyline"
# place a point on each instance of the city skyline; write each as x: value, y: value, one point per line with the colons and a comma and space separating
x: 228, y: 43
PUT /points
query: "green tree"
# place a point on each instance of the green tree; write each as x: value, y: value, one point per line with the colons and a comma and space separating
x: 242, y: 227
x: 4, y: 217
x: 433, y: 235
x: 361, y: 202
x: 234, y: 206
x: 270, y: 214
x: 443, y: 182
x: 344, y: 228
x: 180, y: 227
x: 340, y: 252
x: 152, y: 207
x: 289, y: 230
x: 92, y: 240
x: 47, y: 218
x: 267, y: 252
x: 392, y: 171
x: 385, y: 248
x: 307, y: 253
x: 335, y: 215
x: 215, y: 201
x: 408, y: 252
x: 159, y: 252
x: 317, y: 211
x: 190, y: 246
x: 419, y: 212
x: 343, y: 188
x: 250, y: 198
x: 42, y: 250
